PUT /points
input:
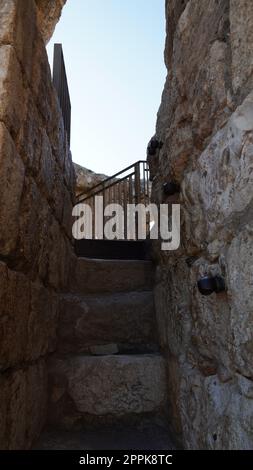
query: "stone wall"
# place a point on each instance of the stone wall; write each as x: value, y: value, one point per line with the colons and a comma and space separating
x: 48, y: 13
x: 36, y: 193
x: 206, y: 124
x: 86, y: 179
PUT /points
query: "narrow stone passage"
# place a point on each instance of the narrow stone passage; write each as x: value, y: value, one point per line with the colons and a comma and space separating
x: 107, y: 377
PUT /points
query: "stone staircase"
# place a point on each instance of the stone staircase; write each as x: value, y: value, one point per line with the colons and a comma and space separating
x: 107, y: 370
x: 107, y: 364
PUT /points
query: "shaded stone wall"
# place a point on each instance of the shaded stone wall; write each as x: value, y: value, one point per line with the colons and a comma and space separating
x: 36, y: 194
x: 206, y: 124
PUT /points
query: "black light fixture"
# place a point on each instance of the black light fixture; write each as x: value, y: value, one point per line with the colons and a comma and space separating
x: 208, y: 284
x: 153, y: 146
x: 171, y: 188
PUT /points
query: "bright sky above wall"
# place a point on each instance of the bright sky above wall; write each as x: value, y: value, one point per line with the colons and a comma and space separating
x: 113, y: 53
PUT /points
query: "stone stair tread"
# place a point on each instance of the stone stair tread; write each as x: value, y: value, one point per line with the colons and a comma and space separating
x: 119, y: 319
x: 98, y: 275
x: 121, y: 437
x: 104, y: 295
x: 113, y: 386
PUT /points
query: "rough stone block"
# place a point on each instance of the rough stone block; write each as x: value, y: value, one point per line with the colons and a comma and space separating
x: 123, y: 319
x: 11, y: 187
x: 18, y: 21
x: 240, y: 275
x: 36, y: 401
x: 112, y: 386
x: 33, y: 229
x: 14, y: 305
x: 29, y: 140
x: 217, y: 193
x: 7, y: 20
x: 94, y: 276
x: 241, y: 37
x: 48, y: 15
x: 42, y: 324
x: 12, y: 93
x: 23, y: 395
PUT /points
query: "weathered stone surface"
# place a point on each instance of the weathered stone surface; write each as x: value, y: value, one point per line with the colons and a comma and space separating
x: 205, y: 122
x: 14, y: 317
x: 34, y: 233
x: 42, y: 324
x: 23, y: 395
x: 223, y: 411
x: 86, y: 179
x: 35, y: 244
x: 115, y: 437
x: 127, y: 320
x: 241, y: 37
x: 11, y: 187
x: 190, y: 108
x: 240, y: 275
x: 7, y: 20
x: 216, y: 193
x: 111, y: 276
x: 48, y: 16
x: 28, y: 319
x: 113, y: 386
x: 18, y: 19
x: 12, y: 93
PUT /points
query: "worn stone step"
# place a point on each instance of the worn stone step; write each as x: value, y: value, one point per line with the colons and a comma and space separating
x: 98, y: 275
x: 84, y: 388
x: 108, y: 323
x: 151, y: 435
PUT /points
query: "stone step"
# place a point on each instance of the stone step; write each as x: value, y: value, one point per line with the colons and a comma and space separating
x: 107, y: 323
x: 113, y: 249
x: 99, y: 275
x: 85, y: 389
x: 151, y: 435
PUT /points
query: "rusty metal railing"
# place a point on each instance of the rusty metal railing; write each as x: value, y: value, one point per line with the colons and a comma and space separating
x: 129, y: 186
x: 61, y: 85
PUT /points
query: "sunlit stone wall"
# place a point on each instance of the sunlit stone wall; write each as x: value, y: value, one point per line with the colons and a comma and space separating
x: 36, y: 194
x: 206, y: 124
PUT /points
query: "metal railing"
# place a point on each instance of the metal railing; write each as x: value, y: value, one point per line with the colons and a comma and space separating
x: 129, y: 186
x: 61, y: 85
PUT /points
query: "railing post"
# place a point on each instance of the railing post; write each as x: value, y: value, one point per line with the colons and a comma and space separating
x: 61, y: 85
x: 137, y: 194
x: 122, y: 189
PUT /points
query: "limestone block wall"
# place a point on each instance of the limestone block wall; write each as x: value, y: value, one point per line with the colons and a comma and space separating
x: 86, y: 179
x: 36, y: 197
x: 48, y: 13
x: 206, y: 124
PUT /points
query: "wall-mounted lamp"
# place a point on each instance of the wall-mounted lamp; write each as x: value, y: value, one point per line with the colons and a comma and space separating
x: 171, y: 188
x: 207, y: 285
x: 153, y: 146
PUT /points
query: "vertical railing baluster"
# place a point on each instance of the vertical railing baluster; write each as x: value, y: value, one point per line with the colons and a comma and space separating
x: 137, y: 194
x: 146, y: 183
x: 122, y: 189
x: 125, y: 207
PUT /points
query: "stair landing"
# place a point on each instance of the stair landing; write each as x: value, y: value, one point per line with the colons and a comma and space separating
x: 113, y: 249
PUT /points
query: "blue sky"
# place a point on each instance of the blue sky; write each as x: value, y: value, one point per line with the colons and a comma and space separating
x: 114, y: 60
